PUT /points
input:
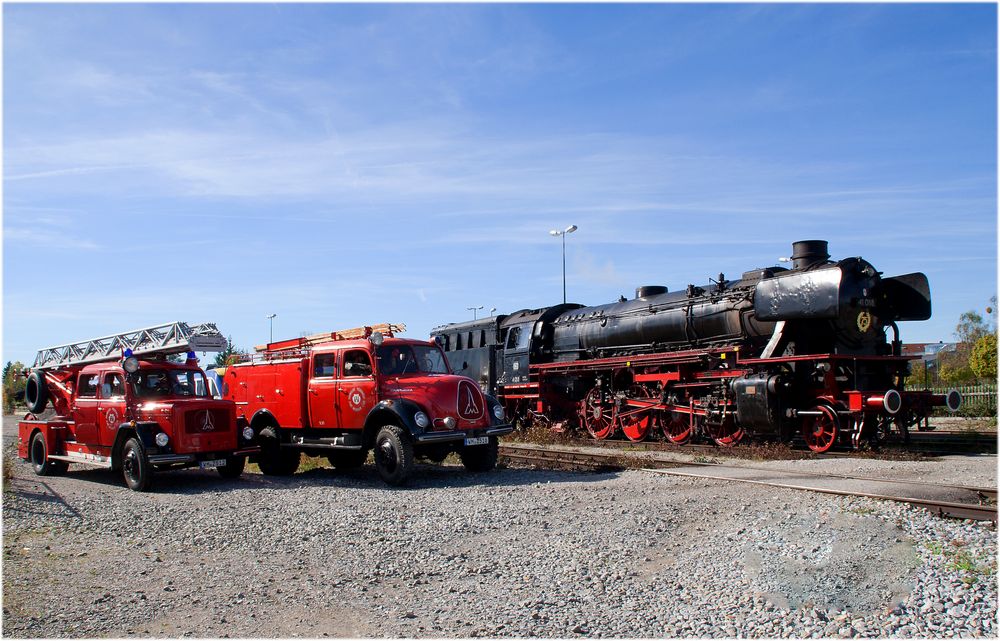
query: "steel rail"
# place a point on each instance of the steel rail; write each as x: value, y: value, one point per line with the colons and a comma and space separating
x: 539, y: 454
x: 943, y: 508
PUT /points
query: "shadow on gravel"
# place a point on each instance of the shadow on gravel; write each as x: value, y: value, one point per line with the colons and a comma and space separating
x: 26, y: 490
x: 424, y: 477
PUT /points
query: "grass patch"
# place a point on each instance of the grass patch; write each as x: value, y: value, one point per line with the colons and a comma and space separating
x: 961, y: 559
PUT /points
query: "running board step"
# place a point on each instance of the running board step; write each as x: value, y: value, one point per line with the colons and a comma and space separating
x: 101, y: 461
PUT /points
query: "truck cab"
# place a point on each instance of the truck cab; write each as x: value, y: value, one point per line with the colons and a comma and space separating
x: 133, y: 415
x: 343, y: 398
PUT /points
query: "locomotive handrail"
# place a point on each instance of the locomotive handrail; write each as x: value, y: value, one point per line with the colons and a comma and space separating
x: 169, y: 338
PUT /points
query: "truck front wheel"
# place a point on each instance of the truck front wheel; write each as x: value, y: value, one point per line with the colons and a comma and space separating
x: 481, y: 458
x: 393, y: 454
x: 233, y: 467
x: 40, y: 458
x: 136, y: 469
x: 273, y: 459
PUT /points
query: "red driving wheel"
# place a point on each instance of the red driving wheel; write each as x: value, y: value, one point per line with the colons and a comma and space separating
x: 820, y: 430
x: 677, y: 427
x: 598, y: 413
x: 635, y: 422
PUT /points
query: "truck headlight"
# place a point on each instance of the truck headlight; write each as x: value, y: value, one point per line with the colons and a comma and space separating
x: 450, y: 422
x: 162, y: 439
x: 498, y: 412
x: 422, y: 420
x: 248, y: 433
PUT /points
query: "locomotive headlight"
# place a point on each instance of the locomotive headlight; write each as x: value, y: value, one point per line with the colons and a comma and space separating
x: 162, y: 439
x: 498, y: 412
x: 422, y: 420
x: 248, y: 433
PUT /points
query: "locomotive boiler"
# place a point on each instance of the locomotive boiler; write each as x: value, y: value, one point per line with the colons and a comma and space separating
x: 812, y: 352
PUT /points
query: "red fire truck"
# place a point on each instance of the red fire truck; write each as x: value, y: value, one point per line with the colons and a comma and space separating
x: 343, y: 394
x: 121, y: 404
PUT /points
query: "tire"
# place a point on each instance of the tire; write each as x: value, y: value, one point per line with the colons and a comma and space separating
x: 233, y: 467
x: 136, y: 469
x: 481, y: 458
x: 348, y: 459
x: 39, y: 456
x: 273, y: 459
x: 36, y: 392
x: 393, y: 454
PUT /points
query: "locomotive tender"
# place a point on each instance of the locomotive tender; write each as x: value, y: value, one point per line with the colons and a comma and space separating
x: 778, y: 353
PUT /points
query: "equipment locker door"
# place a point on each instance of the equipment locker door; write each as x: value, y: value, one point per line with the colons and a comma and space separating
x: 111, y: 408
x: 355, y: 389
x: 85, y: 409
x: 322, y: 390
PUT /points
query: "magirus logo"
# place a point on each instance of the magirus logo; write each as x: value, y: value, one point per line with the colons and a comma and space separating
x: 470, y: 401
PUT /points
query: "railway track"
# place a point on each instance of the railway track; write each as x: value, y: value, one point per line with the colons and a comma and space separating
x: 561, y: 457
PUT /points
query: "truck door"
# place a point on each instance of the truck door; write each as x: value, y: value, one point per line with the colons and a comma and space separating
x: 322, y: 390
x: 355, y: 389
x: 110, y: 408
x: 85, y: 408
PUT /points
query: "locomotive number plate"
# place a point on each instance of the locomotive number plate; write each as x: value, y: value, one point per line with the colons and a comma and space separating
x: 477, y: 440
x: 207, y: 465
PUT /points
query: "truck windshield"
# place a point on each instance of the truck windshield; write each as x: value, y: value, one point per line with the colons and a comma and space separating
x: 157, y: 383
x: 399, y: 360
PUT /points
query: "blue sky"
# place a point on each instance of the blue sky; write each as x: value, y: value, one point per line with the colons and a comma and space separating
x: 343, y: 165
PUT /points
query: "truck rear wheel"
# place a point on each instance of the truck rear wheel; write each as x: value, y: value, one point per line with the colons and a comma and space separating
x: 393, y: 455
x: 481, y: 458
x: 136, y: 469
x: 40, y: 462
x: 348, y: 459
x: 233, y: 467
x: 36, y: 392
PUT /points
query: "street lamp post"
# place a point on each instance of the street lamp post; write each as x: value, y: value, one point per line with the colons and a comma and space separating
x: 270, y: 318
x: 556, y: 232
x: 474, y: 310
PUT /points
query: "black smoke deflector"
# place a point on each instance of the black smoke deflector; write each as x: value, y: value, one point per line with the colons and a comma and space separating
x: 905, y: 298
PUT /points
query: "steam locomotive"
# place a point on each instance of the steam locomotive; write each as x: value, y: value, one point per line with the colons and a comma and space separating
x: 779, y: 353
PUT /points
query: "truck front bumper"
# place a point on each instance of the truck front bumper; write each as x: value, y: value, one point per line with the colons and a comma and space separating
x: 171, y: 459
x: 461, y: 435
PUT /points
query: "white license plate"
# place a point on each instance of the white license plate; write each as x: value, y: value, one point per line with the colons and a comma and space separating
x: 477, y: 440
x: 207, y: 465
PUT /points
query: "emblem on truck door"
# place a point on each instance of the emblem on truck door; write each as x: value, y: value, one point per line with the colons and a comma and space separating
x: 356, y: 399
x: 468, y: 401
x: 206, y: 422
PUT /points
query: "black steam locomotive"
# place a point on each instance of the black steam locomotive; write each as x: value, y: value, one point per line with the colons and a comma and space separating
x: 779, y: 353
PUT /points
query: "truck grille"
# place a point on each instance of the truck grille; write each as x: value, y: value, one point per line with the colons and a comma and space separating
x: 206, y: 421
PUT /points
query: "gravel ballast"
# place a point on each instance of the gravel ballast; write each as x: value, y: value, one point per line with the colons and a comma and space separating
x: 509, y: 553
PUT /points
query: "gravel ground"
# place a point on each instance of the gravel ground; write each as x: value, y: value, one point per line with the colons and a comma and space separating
x: 508, y: 553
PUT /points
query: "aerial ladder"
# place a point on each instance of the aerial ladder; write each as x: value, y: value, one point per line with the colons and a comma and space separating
x: 169, y: 338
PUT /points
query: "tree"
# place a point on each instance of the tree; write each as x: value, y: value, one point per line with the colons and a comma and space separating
x: 13, y: 386
x: 971, y: 327
x: 229, y: 355
x: 983, y: 360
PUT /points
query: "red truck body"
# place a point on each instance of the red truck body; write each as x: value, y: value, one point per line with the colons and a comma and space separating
x: 132, y: 415
x: 345, y: 397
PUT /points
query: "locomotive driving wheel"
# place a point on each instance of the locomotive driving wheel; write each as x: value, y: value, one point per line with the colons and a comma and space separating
x: 635, y: 422
x: 598, y: 413
x: 820, y: 430
x: 726, y: 434
x: 677, y: 427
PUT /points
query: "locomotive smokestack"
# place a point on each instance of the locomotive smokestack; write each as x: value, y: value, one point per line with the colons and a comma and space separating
x: 806, y: 253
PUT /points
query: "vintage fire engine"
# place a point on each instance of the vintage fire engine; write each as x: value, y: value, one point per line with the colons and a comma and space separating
x: 121, y: 404
x: 342, y: 394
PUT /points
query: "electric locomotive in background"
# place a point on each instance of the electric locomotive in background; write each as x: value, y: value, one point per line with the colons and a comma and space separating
x: 779, y: 353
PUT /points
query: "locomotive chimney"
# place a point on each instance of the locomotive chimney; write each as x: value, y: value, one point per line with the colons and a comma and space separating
x: 806, y: 253
x: 649, y: 290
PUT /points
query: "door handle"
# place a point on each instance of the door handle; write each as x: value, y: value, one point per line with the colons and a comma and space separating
x: 313, y: 392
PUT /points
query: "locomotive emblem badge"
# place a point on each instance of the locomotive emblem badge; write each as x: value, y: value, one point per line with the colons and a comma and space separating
x: 468, y: 401
x: 864, y: 321
x: 356, y: 399
x: 206, y: 422
x: 111, y: 418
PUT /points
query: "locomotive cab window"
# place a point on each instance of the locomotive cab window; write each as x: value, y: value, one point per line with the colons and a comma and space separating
x: 512, y: 336
x: 357, y: 363
x: 323, y: 365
